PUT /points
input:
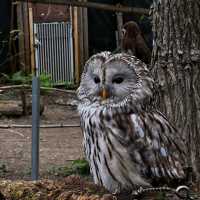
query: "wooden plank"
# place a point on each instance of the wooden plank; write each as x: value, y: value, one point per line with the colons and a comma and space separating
x: 26, y: 37
x: 76, y: 44
x: 85, y: 33
x: 10, y: 107
x: 119, y: 27
x: 81, y: 39
x: 12, y: 46
x: 33, y: 67
x: 50, y: 13
x: 100, y: 6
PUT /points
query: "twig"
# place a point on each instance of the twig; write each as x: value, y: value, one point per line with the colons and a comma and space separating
x: 18, y: 133
x: 25, y: 86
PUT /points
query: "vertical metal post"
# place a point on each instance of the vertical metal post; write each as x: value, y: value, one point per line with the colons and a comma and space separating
x: 35, y: 126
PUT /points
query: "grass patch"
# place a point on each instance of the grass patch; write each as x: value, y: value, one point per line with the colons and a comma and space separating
x: 78, y: 167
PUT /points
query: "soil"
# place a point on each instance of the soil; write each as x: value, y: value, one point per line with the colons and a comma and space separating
x: 58, y: 146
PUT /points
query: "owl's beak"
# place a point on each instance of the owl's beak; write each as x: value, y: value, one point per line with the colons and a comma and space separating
x: 104, y: 93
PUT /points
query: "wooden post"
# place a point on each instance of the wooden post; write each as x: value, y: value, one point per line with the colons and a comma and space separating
x: 81, y: 51
x: 20, y: 26
x: 76, y: 44
x: 12, y: 46
x: 32, y: 40
x: 85, y: 33
x: 81, y: 33
x: 119, y: 27
x: 26, y: 37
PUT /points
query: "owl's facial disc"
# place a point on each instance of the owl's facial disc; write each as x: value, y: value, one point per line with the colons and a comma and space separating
x: 118, y: 81
x: 106, y: 81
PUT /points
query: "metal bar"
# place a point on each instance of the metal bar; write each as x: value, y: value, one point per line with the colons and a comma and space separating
x: 55, y: 42
x: 67, y: 51
x: 43, y: 63
x: 39, y: 49
x: 100, y: 6
x: 71, y: 54
x: 48, y: 47
x: 35, y: 127
x: 60, y: 58
x: 44, y: 35
x: 50, y: 50
x: 63, y: 54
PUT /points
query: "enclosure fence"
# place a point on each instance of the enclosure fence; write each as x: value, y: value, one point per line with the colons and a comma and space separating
x: 54, y: 51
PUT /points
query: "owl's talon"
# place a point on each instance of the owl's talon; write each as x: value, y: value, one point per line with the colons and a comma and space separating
x: 183, y: 192
x: 137, y: 192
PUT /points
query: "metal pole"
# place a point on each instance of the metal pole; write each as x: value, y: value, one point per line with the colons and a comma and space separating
x: 35, y: 127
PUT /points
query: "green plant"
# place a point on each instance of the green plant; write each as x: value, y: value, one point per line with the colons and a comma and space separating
x: 45, y: 80
x: 21, y: 78
x: 18, y: 78
x: 70, y: 85
x: 80, y: 167
x: 3, y: 169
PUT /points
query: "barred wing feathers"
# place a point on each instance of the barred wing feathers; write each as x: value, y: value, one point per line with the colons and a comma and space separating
x: 130, y: 150
x: 153, y: 144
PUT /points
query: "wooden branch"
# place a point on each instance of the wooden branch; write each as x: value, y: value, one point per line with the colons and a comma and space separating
x: 9, y: 87
x: 11, y: 108
x: 100, y: 6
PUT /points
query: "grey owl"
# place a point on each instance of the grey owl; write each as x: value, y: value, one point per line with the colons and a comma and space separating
x: 128, y: 143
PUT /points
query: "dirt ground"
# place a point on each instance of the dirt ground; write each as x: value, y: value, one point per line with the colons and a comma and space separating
x: 58, y: 146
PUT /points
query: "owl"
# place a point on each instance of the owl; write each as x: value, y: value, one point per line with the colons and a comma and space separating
x: 127, y: 142
x: 134, y: 43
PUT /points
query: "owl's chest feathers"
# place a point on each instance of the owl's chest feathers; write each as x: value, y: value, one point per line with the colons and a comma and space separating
x: 106, y: 148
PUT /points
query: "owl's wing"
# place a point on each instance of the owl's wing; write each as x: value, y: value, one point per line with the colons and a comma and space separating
x: 154, y: 145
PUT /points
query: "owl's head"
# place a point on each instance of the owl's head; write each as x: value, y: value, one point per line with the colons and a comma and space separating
x: 131, y: 29
x: 114, y: 79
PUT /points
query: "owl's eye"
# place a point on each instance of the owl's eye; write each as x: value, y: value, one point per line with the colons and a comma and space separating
x: 118, y: 80
x: 96, y: 79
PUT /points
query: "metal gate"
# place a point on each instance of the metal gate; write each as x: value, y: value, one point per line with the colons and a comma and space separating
x: 54, y: 51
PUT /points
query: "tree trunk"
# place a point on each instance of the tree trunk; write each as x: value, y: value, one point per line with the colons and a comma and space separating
x: 176, y: 68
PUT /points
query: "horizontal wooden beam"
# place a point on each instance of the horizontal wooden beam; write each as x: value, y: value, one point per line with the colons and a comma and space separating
x: 100, y: 6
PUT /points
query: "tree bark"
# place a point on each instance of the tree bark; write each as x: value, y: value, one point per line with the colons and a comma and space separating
x: 176, y: 68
